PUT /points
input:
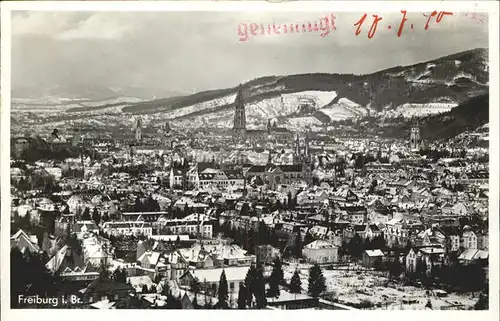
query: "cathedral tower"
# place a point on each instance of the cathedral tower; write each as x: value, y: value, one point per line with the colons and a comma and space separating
x: 239, y: 113
x: 302, y: 148
x: 138, y: 129
x: 415, y: 137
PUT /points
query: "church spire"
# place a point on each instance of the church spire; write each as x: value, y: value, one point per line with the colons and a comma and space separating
x: 239, y: 111
x: 269, y: 158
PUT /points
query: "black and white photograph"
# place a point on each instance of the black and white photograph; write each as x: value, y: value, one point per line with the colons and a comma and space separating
x: 238, y: 159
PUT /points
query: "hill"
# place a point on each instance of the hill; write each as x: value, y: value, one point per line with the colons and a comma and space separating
x: 309, y: 99
x: 467, y: 116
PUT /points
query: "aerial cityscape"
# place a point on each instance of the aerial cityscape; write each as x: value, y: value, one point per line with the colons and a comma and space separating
x: 334, y: 191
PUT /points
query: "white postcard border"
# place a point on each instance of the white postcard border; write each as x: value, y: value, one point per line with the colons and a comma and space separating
x: 421, y: 6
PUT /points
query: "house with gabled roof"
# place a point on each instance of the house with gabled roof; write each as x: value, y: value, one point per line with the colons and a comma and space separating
x: 209, y: 278
x: 372, y: 258
x: 25, y: 242
x: 321, y: 251
x: 473, y: 255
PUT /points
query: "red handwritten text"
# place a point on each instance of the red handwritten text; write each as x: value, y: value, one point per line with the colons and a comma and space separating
x: 327, y: 23
x: 373, y: 27
x: 376, y: 19
x: 439, y: 17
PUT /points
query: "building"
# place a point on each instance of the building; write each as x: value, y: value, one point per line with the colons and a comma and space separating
x: 82, y: 228
x: 415, y: 138
x: 220, y: 178
x: 431, y: 256
x: 473, y: 255
x: 127, y: 228
x: 469, y: 240
x: 267, y: 253
x: 474, y: 178
x: 320, y: 251
x: 302, y: 152
x: 138, y: 129
x: 372, y: 258
x: 190, y: 226
x: 143, y: 216
x: 178, y: 177
x: 239, y: 113
x: 277, y: 175
x: 25, y: 242
x: 219, y: 254
x: 97, y: 251
x: 19, y: 145
x: 209, y: 279
x: 292, y: 301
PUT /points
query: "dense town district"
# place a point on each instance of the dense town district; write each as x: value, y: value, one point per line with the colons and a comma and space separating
x: 247, y: 219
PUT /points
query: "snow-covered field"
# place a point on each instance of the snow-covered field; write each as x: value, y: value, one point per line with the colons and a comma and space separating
x: 344, y: 109
x: 119, y: 100
x: 299, y: 123
x: 352, y: 287
x: 228, y: 99
x: 222, y: 119
x: 410, y: 110
x: 338, y: 113
x: 258, y: 113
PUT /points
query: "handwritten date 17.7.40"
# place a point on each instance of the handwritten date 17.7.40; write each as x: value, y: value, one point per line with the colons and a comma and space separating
x: 435, y: 16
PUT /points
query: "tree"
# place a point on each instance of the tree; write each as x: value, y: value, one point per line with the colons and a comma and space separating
x: 355, y: 246
x: 145, y: 289
x: 245, y: 208
x: 223, y: 291
x: 408, y: 246
x: 295, y: 283
x: 317, y: 282
x: 250, y: 284
x: 96, y: 217
x: 138, y: 206
x: 105, y: 217
x: 360, y: 161
x: 421, y: 268
x: 378, y: 242
x: 86, y: 214
x: 428, y: 304
x: 30, y: 277
x: 263, y: 233
x: 178, y: 241
x: 242, y: 297
x: 122, y: 276
x: 195, y: 287
x: 308, y: 238
x: 173, y: 303
x: 276, y: 279
x: 482, y: 303
x: 57, y: 212
x: 396, y: 268
x: 260, y: 289
x: 298, y: 244
x: 165, y: 289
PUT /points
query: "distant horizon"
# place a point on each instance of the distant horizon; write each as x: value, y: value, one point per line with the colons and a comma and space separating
x: 165, y: 55
x: 288, y: 75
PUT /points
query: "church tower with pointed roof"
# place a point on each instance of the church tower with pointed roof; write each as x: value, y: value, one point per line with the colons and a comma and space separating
x: 239, y: 123
x: 415, y: 140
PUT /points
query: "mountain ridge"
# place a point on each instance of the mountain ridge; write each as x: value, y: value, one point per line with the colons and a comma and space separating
x: 449, y: 79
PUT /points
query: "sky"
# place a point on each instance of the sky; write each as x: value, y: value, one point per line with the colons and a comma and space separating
x: 185, y: 52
